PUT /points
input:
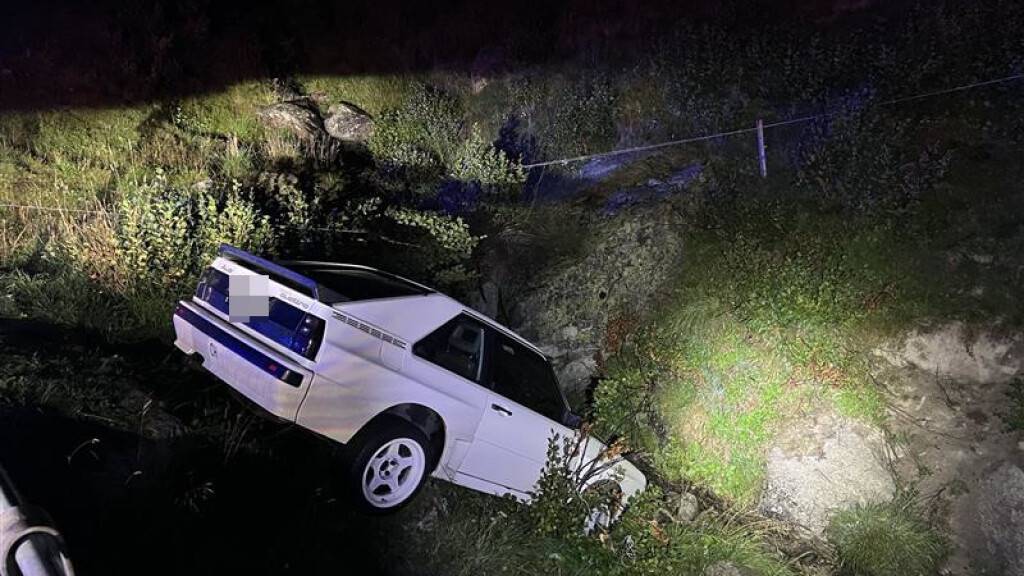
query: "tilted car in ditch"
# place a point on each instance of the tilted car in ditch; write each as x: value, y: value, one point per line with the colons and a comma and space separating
x: 411, y: 380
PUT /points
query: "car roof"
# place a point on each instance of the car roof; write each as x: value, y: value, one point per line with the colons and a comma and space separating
x: 414, y: 317
x: 343, y: 282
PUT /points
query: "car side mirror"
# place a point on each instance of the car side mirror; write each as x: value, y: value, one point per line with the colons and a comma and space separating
x: 572, y: 420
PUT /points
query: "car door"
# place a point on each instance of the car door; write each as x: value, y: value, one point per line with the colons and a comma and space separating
x: 523, y: 412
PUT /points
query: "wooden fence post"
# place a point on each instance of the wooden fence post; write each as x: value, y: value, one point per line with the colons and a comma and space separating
x: 762, y: 159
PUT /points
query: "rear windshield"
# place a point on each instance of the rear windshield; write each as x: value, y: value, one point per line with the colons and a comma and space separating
x: 348, y: 284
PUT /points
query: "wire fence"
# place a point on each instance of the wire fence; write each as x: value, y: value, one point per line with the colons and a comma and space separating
x: 780, y: 123
x: 650, y: 147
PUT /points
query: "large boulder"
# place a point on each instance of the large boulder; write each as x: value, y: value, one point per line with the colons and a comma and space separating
x: 348, y: 122
x: 824, y: 465
x: 300, y: 117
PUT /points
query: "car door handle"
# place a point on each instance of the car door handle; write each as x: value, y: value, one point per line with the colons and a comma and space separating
x: 502, y: 409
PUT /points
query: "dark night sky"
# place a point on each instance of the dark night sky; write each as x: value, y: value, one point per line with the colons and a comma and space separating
x: 58, y: 53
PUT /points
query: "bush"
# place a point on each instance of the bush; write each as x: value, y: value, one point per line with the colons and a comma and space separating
x: 569, y: 115
x: 886, y: 540
x: 426, y: 139
x: 478, y: 161
x: 423, y: 133
x: 121, y: 272
x: 165, y: 235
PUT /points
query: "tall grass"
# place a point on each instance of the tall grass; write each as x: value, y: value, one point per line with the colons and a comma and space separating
x: 889, y: 539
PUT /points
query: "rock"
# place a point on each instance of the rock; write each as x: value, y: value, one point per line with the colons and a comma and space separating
x: 821, y: 466
x: 348, y: 122
x: 489, y: 295
x: 592, y: 301
x: 1001, y: 519
x: 687, y: 508
x: 575, y: 376
x: 953, y: 352
x: 299, y: 117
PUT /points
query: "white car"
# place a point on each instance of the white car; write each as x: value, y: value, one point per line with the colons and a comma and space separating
x: 411, y: 380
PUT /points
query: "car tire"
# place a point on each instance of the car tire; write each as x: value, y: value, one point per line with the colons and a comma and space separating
x: 388, y: 464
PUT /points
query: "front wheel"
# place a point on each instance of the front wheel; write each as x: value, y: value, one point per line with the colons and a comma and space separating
x: 389, y: 466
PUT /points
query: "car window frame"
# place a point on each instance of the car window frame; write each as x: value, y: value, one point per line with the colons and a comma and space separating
x: 491, y: 347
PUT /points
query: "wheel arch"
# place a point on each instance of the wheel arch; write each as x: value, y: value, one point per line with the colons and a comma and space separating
x: 426, y: 419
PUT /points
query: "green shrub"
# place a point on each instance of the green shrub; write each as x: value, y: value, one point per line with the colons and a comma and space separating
x: 476, y: 160
x: 427, y: 140
x: 442, y: 244
x: 624, y: 406
x: 886, y: 540
x: 166, y: 235
x: 121, y: 272
x: 568, y: 115
x: 422, y: 133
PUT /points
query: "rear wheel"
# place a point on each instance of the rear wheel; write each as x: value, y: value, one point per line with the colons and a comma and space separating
x: 389, y: 466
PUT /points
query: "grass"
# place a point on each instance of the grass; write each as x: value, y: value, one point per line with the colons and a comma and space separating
x: 232, y: 112
x: 375, y: 94
x: 480, y: 537
x: 911, y: 547
x: 772, y: 319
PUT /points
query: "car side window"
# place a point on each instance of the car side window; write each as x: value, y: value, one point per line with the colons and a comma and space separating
x: 525, y: 377
x: 457, y: 346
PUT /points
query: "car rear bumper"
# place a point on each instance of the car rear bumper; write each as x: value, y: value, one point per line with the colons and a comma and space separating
x: 259, y: 373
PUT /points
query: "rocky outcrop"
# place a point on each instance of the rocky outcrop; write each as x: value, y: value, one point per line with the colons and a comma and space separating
x: 348, y: 123
x: 579, y: 309
x: 821, y: 466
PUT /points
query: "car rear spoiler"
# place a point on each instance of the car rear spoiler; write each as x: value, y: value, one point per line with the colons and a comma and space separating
x: 276, y: 271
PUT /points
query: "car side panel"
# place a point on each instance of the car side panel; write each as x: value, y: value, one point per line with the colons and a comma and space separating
x: 511, y: 445
x: 353, y: 384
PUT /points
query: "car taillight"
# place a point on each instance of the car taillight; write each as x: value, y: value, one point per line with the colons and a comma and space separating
x: 308, y: 335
